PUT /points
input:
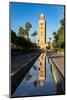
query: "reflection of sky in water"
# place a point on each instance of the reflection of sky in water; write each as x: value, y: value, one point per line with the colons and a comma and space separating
x: 32, y: 86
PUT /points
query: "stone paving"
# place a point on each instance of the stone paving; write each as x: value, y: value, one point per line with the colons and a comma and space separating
x: 58, y: 60
x: 18, y: 61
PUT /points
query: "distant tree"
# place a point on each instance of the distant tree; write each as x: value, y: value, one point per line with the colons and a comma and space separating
x: 34, y: 35
x: 50, y: 38
x: 13, y: 37
x: 55, y: 36
x: 22, y: 32
x: 27, y: 28
x: 59, y: 36
x: 62, y: 23
x: 24, y: 43
x: 38, y: 42
x: 19, y: 41
x: 49, y: 45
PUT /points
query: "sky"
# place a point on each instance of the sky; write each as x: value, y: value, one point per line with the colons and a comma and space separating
x: 20, y: 13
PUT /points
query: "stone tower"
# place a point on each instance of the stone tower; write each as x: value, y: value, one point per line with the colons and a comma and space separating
x: 42, y: 32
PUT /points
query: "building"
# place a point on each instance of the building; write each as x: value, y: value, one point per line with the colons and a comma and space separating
x: 42, y: 32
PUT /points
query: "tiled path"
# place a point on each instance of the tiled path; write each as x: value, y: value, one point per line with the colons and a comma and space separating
x: 58, y: 60
x: 18, y: 61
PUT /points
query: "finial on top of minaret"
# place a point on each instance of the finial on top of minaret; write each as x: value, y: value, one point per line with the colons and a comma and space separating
x: 41, y: 16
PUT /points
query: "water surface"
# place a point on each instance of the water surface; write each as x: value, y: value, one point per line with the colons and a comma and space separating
x: 38, y: 81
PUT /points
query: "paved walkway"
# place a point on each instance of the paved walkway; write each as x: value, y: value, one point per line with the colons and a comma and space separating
x: 58, y: 60
x: 19, y: 61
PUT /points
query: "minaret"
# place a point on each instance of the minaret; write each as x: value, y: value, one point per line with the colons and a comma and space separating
x: 42, y: 32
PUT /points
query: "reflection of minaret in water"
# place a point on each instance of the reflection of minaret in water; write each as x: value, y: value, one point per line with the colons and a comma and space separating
x: 42, y: 69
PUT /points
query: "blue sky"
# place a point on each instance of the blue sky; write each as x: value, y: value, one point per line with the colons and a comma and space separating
x: 20, y: 13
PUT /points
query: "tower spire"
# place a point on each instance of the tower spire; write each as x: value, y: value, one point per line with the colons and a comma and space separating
x: 42, y: 16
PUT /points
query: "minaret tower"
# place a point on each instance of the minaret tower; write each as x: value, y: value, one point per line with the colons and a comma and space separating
x: 42, y: 32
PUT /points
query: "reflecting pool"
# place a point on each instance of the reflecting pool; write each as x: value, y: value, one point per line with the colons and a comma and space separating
x: 40, y: 80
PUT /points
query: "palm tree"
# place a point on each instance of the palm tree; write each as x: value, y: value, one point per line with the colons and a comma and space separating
x: 27, y: 28
x: 62, y: 23
x: 50, y: 38
x: 50, y: 41
x: 34, y: 35
x: 55, y: 35
x: 22, y: 32
x: 38, y: 42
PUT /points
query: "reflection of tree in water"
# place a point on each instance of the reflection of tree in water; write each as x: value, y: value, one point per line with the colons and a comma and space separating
x: 35, y: 83
x: 35, y: 67
x: 28, y: 76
